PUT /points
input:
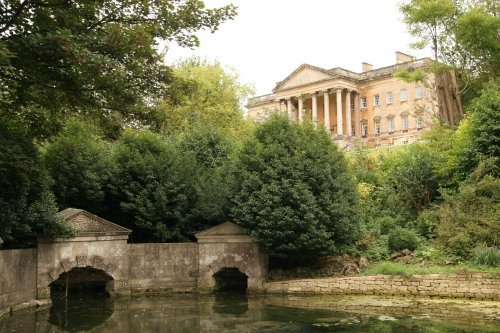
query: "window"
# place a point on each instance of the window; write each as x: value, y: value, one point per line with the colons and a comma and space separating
x: 389, y: 97
x: 364, y: 129
x: 420, y: 122
x: 404, y: 95
x: 377, y: 127
x: 376, y: 100
x: 352, y: 104
x: 418, y: 92
x: 363, y: 102
x: 405, y: 123
x: 353, y: 129
x: 390, y: 125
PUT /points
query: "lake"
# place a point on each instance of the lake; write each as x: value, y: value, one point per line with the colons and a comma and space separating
x: 249, y: 313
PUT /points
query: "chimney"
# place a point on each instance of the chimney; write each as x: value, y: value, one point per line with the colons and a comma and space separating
x: 366, y: 67
x: 402, y: 57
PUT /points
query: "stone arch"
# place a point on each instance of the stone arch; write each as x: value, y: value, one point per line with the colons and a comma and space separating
x: 66, y: 265
x: 230, y: 279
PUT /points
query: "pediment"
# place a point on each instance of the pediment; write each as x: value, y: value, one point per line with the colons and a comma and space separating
x: 85, y: 223
x: 224, y: 232
x: 303, y: 75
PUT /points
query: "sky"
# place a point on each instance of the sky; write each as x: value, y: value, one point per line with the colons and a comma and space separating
x: 269, y: 39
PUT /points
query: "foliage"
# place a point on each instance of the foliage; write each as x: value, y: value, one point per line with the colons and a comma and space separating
x: 152, y: 187
x: 80, y: 166
x: 469, y: 216
x: 210, y: 146
x: 402, y: 238
x: 100, y: 59
x: 408, y: 270
x: 294, y: 193
x: 207, y: 94
x: 28, y: 207
x: 212, y: 150
x: 377, y: 249
x: 427, y: 222
x: 428, y: 20
x: 409, y: 174
x: 481, y: 135
x: 463, y: 36
x: 487, y: 256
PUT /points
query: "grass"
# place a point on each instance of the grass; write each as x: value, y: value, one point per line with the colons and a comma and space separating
x: 408, y: 270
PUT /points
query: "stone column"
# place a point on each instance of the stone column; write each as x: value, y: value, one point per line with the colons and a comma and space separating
x: 289, y: 108
x: 314, y: 109
x: 340, y: 125
x: 357, y: 115
x: 348, y: 112
x: 326, y: 110
x: 301, y: 106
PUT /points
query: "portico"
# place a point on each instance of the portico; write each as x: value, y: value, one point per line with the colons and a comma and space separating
x: 333, y: 108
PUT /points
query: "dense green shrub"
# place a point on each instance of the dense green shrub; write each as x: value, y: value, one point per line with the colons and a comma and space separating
x: 487, y: 256
x: 27, y: 206
x: 294, y: 193
x: 378, y: 249
x: 469, y: 217
x: 426, y: 223
x: 79, y: 163
x: 152, y: 187
x: 402, y: 238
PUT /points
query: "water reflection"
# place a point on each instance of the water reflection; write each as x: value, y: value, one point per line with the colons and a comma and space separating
x: 241, y: 313
x: 231, y: 303
x: 80, y: 312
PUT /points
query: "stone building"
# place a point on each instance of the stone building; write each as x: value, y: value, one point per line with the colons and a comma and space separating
x: 373, y: 107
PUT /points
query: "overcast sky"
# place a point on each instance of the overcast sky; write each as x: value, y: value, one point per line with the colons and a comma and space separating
x: 271, y: 38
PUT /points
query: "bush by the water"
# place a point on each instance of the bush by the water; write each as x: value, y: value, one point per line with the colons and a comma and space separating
x: 487, y: 256
x: 401, y: 238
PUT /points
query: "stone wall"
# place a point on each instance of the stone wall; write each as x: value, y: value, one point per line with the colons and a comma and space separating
x: 17, y: 277
x: 481, y: 286
x: 108, y: 253
x: 163, y: 267
x: 245, y: 256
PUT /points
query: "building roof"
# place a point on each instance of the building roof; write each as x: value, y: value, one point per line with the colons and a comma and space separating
x: 226, y: 232
x: 85, y: 223
x: 304, y: 75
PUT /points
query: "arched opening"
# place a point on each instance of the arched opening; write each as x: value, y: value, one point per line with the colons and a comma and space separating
x: 80, y: 299
x: 81, y: 281
x: 230, y: 279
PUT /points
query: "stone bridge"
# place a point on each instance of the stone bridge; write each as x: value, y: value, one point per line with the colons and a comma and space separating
x: 101, y: 245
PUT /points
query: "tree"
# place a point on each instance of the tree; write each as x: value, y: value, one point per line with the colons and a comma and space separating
x: 28, y: 207
x: 79, y: 163
x: 429, y: 20
x: 152, y: 187
x: 207, y: 95
x: 100, y: 59
x: 469, y: 217
x: 293, y: 192
x: 464, y: 37
x: 476, y: 139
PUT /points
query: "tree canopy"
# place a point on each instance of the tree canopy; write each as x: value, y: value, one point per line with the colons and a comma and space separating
x: 205, y: 94
x: 100, y: 59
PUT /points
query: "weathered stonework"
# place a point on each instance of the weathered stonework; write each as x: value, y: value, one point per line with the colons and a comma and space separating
x: 482, y: 286
x: 228, y: 245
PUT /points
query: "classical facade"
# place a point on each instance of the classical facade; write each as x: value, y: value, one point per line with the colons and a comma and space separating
x: 373, y: 107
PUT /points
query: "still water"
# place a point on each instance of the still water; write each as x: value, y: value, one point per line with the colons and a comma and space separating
x: 242, y: 313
